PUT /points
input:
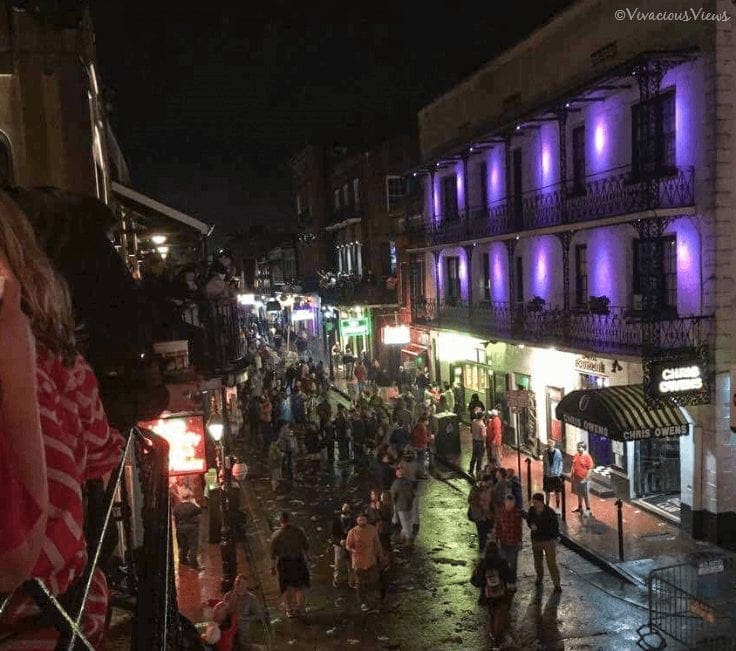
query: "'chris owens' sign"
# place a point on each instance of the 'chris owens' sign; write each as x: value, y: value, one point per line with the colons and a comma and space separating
x: 676, y: 378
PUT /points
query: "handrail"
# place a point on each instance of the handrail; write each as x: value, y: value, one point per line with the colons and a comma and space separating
x: 155, y: 580
x: 616, y: 191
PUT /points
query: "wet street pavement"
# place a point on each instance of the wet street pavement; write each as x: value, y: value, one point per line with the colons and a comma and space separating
x: 430, y: 603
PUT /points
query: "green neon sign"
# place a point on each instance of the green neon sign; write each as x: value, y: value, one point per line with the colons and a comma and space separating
x: 355, y: 326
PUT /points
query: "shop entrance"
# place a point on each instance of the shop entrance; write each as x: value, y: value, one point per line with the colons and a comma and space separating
x: 555, y: 427
x: 657, y: 473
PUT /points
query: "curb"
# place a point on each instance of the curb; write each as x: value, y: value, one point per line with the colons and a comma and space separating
x: 599, y: 561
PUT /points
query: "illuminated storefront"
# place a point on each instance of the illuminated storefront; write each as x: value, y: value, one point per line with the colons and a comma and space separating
x: 185, y: 436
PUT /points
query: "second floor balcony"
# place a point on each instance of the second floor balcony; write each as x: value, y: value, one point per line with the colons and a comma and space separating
x: 617, y: 331
x: 617, y: 192
x: 356, y: 290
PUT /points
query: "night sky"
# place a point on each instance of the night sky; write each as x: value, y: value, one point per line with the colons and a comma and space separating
x: 210, y: 99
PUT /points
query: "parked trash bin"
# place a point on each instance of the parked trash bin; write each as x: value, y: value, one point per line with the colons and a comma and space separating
x: 448, y: 433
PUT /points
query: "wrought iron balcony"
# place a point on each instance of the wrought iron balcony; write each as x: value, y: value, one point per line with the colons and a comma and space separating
x: 358, y: 291
x: 619, y: 331
x: 612, y: 193
x: 216, y: 335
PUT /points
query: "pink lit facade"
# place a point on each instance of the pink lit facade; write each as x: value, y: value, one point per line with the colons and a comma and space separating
x: 574, y: 222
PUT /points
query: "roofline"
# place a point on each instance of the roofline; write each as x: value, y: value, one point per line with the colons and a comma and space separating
x: 198, y: 225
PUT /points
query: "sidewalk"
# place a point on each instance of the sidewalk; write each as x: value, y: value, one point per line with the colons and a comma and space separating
x: 649, y: 541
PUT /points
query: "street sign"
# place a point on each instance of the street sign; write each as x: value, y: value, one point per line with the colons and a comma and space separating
x: 354, y: 326
x: 518, y: 399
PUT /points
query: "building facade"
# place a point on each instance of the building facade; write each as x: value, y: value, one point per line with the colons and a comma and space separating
x: 53, y: 128
x: 576, y: 242
x: 353, y: 234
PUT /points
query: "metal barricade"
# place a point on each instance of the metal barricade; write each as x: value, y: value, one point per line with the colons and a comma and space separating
x: 692, y: 603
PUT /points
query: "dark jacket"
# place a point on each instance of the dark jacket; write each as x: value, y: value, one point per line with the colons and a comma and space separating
x: 491, y: 562
x: 340, y: 527
x: 547, y: 526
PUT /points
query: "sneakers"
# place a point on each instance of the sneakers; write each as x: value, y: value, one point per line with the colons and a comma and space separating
x: 364, y: 607
x: 577, y: 510
x: 558, y: 511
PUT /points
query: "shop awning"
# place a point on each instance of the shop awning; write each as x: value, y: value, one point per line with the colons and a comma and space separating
x: 621, y: 413
x: 414, y: 350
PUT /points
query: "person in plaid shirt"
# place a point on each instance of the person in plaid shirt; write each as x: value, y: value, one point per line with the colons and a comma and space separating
x: 508, y: 534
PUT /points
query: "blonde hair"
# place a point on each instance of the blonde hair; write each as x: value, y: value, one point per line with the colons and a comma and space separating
x: 44, y: 295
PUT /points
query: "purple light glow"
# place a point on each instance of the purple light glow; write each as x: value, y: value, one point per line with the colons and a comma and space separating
x: 495, y: 163
x: 599, y: 139
x: 542, y: 254
x: 460, y: 186
x: 548, y: 156
x: 607, y: 247
x: 545, y: 163
x: 688, y: 267
x: 499, y: 273
x: 436, y: 196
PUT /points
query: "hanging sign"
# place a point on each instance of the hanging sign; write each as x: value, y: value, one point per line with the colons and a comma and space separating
x: 396, y: 334
x: 676, y: 378
x: 185, y: 436
x: 354, y: 327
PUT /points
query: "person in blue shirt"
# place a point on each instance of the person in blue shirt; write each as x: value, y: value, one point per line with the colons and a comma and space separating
x: 552, y: 481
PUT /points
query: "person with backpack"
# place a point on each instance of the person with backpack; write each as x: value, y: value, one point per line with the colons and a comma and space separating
x: 479, y: 510
x: 492, y: 576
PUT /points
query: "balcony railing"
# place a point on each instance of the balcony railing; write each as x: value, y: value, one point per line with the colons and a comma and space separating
x: 358, y: 292
x: 216, y: 336
x: 606, y: 194
x: 618, y: 331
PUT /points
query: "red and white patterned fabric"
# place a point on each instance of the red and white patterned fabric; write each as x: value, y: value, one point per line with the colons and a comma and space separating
x: 79, y: 445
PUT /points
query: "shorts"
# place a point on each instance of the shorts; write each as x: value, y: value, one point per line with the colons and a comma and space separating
x: 552, y: 484
x: 581, y: 488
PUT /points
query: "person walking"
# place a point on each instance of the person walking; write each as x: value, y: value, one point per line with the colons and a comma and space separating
x: 492, y: 576
x: 552, y: 481
x: 364, y: 546
x: 449, y: 398
x: 289, y: 556
x: 186, y: 516
x: 341, y: 524
x: 509, y: 536
x: 361, y: 376
x: 582, y: 467
x: 545, y: 529
x: 420, y: 439
x: 494, y: 437
x: 479, y: 510
x: 275, y: 463
x: 403, y: 495
x: 246, y: 607
x: 477, y: 431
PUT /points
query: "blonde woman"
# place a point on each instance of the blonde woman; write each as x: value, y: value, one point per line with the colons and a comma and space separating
x: 54, y: 436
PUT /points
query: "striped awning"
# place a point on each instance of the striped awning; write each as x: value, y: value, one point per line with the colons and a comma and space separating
x: 621, y: 413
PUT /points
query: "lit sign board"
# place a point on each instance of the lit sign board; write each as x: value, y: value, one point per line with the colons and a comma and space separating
x: 675, y: 379
x: 304, y: 314
x: 247, y: 299
x: 356, y: 326
x: 398, y: 334
x: 185, y: 436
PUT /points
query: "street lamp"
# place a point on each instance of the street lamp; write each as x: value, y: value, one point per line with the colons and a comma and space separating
x: 218, y: 427
x: 158, y: 240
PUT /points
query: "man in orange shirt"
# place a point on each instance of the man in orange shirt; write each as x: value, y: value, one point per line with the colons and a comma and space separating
x: 582, y: 466
x: 494, y: 437
x: 365, y: 547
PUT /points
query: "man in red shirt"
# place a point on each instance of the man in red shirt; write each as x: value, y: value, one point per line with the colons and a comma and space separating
x: 582, y: 466
x: 494, y: 437
x: 508, y: 534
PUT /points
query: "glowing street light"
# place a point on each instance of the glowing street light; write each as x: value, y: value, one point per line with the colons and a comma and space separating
x: 163, y: 251
x: 158, y: 240
x: 216, y: 427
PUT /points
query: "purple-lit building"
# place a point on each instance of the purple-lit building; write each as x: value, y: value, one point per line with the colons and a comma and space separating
x: 578, y: 244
